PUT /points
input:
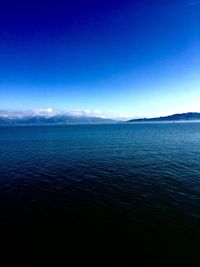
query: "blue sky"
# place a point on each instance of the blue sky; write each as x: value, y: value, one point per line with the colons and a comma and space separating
x: 125, y: 58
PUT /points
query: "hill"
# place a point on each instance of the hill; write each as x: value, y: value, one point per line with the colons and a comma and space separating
x: 190, y: 116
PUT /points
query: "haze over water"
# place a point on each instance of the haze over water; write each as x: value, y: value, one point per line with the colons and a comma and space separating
x: 134, y: 185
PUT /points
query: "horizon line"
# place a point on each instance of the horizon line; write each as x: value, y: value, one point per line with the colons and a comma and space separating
x: 49, y: 112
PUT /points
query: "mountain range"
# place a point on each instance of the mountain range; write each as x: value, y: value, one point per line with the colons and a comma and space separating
x: 57, y: 119
x: 189, y: 116
x: 73, y: 119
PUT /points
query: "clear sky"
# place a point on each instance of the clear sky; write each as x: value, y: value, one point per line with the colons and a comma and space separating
x: 128, y: 58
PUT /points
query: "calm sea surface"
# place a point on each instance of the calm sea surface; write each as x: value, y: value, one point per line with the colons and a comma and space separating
x: 136, y: 184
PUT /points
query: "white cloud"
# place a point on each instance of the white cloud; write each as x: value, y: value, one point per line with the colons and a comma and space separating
x: 85, y: 112
x: 11, y: 113
x: 44, y: 112
x: 48, y: 112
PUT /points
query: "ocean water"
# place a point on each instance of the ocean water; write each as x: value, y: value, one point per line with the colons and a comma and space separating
x: 126, y: 186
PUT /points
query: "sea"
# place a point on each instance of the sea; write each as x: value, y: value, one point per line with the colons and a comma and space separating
x: 124, y: 190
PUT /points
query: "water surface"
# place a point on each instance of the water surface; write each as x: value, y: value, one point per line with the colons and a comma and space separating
x: 135, y: 184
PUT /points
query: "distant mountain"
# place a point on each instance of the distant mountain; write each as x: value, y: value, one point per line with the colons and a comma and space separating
x: 190, y: 116
x: 58, y: 119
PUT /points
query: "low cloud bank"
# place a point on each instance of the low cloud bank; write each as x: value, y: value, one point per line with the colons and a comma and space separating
x: 49, y: 112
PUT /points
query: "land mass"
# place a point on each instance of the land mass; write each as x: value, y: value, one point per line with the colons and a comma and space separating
x: 72, y: 119
x: 189, y: 116
x: 58, y: 119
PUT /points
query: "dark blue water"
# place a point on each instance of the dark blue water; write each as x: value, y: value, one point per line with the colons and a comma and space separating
x: 124, y: 185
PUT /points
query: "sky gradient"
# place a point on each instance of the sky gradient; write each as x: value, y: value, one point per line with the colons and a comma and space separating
x: 124, y: 58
